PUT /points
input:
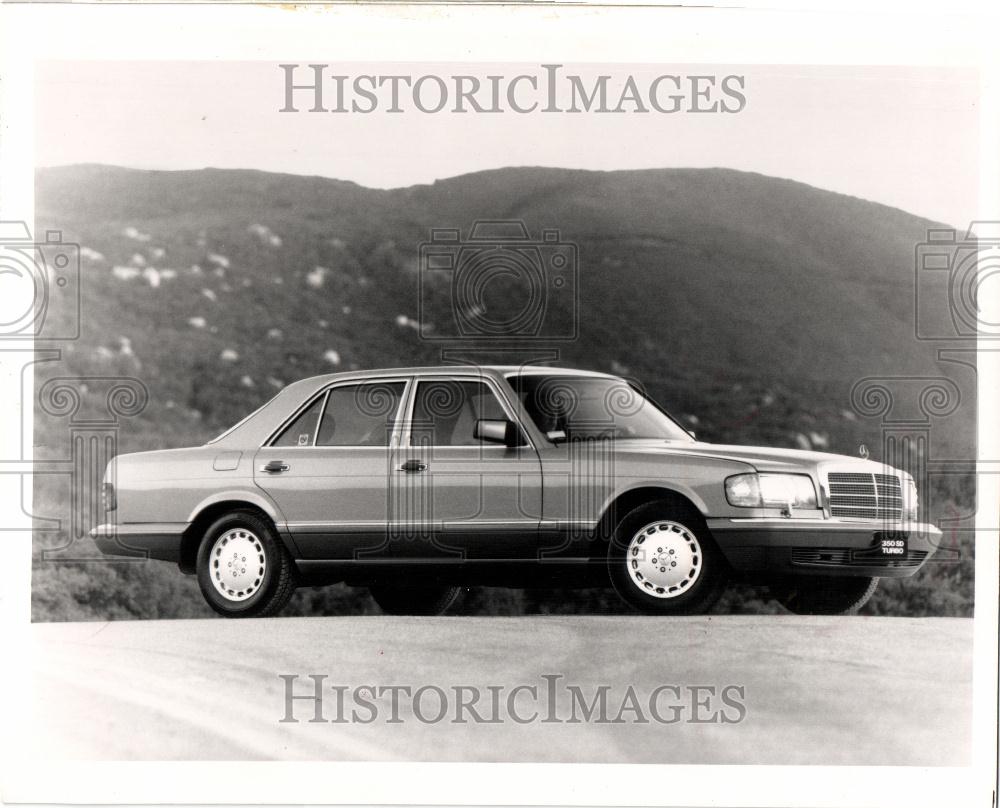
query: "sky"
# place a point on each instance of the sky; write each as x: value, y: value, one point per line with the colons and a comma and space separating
x: 905, y: 137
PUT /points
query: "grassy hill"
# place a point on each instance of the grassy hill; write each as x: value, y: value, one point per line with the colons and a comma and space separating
x: 747, y: 305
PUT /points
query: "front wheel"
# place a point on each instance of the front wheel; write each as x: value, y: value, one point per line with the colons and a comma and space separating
x: 417, y: 600
x: 823, y: 594
x: 662, y: 560
x: 243, y: 568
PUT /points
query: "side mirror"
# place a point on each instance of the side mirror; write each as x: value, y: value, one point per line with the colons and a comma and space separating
x: 691, y: 433
x: 497, y: 430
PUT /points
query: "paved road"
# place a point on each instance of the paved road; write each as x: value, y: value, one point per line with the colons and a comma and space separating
x: 817, y: 690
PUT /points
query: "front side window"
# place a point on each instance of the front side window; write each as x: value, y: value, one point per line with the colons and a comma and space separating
x: 593, y: 408
x: 445, y: 412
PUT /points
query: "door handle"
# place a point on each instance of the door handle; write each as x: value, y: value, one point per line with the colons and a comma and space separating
x: 411, y: 466
x: 275, y: 467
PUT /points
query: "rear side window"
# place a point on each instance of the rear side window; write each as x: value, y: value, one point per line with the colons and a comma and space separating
x: 302, y: 430
x: 360, y: 414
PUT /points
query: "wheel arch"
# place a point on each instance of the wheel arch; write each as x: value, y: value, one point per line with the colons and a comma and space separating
x: 630, y: 499
x: 210, y: 510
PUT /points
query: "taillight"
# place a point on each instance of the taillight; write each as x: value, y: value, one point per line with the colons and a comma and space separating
x: 108, y: 497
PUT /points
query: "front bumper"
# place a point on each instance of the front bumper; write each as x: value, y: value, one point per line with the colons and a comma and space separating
x: 822, y: 546
x: 147, y: 540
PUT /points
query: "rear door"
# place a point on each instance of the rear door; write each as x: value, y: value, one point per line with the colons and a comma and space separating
x: 330, y: 469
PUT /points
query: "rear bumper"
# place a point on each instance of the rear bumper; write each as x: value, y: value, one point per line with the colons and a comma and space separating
x: 148, y: 540
x: 821, y: 547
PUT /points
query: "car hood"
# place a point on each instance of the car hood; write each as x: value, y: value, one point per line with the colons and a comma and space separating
x: 761, y: 458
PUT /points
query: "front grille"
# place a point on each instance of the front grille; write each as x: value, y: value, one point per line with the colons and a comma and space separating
x: 865, y: 496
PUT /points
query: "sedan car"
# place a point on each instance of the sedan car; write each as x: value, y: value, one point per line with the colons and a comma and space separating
x: 415, y: 482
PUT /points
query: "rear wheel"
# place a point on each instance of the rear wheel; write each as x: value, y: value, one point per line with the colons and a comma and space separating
x: 662, y: 560
x: 243, y: 568
x: 823, y: 594
x: 419, y: 600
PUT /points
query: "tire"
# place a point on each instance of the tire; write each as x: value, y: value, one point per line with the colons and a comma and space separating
x: 688, y: 579
x: 414, y: 600
x: 255, y: 544
x: 823, y: 594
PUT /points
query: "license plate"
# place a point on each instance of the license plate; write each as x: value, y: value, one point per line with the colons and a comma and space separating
x: 893, y: 546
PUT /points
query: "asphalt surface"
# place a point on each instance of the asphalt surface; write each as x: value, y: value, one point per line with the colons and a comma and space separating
x: 858, y: 690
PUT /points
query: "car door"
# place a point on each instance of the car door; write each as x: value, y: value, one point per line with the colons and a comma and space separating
x: 581, y: 474
x: 330, y: 469
x: 458, y: 497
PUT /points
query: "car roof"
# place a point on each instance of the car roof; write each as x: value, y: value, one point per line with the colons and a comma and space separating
x: 439, y: 370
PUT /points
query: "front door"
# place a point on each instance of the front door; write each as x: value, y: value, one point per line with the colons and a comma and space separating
x: 460, y: 498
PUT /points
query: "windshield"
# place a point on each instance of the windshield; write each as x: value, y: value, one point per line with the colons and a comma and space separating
x: 587, y: 408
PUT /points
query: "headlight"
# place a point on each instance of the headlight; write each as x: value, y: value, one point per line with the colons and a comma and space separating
x: 743, y: 491
x: 911, y: 502
x: 771, y: 490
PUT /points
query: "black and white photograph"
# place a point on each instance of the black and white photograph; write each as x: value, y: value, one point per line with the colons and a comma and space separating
x: 500, y: 404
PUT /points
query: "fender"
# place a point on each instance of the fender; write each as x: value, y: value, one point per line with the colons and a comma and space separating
x: 258, y: 498
x: 673, y: 487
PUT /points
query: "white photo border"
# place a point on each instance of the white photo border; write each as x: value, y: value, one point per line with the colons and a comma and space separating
x: 891, y: 34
